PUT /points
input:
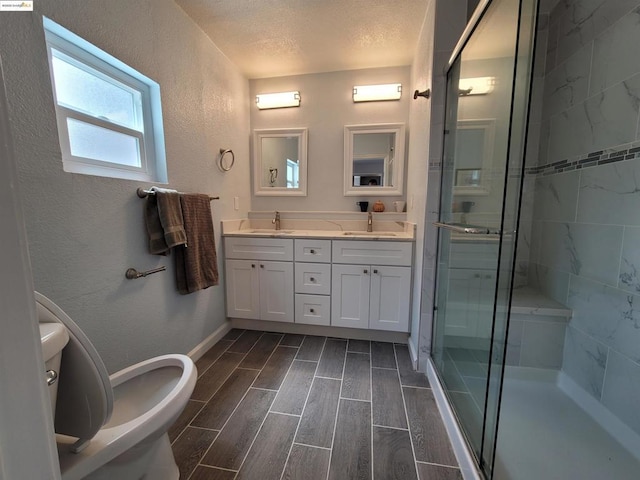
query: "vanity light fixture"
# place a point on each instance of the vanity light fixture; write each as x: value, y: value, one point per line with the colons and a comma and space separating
x: 278, y: 100
x: 476, y: 86
x: 376, y: 93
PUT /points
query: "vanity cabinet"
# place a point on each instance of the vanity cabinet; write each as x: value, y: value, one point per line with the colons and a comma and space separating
x: 312, y: 281
x: 343, y: 283
x: 371, y: 295
x: 259, y: 287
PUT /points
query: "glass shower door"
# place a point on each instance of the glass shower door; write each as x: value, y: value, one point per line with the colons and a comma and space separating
x: 487, y: 104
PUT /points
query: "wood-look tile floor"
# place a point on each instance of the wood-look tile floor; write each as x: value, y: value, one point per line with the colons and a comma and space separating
x: 286, y: 407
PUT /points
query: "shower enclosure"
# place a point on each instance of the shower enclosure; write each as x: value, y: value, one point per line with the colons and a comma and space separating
x: 523, y: 277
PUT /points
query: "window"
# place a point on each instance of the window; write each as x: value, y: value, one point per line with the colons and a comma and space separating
x: 293, y: 174
x: 109, y: 115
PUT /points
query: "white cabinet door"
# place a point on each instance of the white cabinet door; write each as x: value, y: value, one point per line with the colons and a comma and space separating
x: 276, y: 291
x: 350, y: 296
x: 243, y: 292
x: 390, y: 297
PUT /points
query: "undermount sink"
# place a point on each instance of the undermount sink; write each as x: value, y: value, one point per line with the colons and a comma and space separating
x: 371, y: 234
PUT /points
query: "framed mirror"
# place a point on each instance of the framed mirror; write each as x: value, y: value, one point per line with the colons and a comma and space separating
x: 474, y: 153
x: 280, y: 161
x: 374, y: 159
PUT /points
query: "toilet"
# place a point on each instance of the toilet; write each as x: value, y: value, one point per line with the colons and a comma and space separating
x: 53, y: 337
x: 111, y: 427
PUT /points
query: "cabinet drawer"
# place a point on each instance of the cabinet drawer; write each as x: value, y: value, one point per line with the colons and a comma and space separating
x: 317, y: 251
x: 259, y: 248
x: 314, y: 278
x: 313, y: 309
x: 372, y: 253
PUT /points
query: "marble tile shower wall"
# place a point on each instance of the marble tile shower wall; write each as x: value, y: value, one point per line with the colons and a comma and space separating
x: 585, y: 240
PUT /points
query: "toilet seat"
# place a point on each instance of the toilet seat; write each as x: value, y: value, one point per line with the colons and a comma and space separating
x: 85, y: 394
x: 127, y: 427
x: 121, y: 426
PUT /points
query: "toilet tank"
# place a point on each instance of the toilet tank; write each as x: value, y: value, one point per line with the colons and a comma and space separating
x: 54, y: 338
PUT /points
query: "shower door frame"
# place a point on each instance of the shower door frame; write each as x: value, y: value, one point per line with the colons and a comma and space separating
x: 434, y: 373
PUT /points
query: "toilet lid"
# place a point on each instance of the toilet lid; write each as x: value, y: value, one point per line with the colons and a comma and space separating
x: 85, y: 396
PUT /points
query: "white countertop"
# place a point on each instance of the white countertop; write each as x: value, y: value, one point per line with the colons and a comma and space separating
x: 326, y: 234
x: 326, y: 225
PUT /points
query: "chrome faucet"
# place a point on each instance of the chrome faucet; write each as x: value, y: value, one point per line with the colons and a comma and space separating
x: 370, y: 222
x: 276, y: 220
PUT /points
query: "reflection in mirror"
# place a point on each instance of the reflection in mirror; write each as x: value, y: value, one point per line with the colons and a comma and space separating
x: 280, y: 161
x: 374, y: 159
x: 474, y: 152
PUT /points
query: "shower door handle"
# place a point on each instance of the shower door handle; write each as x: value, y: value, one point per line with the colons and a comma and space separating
x: 466, y: 229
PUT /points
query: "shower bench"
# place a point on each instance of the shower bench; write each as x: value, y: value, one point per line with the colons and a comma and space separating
x: 536, y: 331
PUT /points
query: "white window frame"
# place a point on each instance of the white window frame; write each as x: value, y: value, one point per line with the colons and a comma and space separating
x: 293, y: 180
x: 91, y: 59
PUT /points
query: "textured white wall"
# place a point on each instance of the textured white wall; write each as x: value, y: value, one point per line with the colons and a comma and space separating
x: 326, y: 107
x: 84, y: 231
x: 25, y: 411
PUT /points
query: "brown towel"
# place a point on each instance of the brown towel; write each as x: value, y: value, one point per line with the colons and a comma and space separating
x: 163, y: 217
x: 170, y: 212
x: 197, y: 262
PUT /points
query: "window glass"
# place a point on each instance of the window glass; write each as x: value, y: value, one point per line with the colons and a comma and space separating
x: 97, y: 143
x: 84, y: 89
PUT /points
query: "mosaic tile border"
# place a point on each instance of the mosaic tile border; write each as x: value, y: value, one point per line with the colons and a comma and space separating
x: 593, y: 159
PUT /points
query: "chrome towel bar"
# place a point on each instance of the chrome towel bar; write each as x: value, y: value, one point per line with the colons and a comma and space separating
x: 133, y: 274
x: 468, y: 229
x: 142, y: 193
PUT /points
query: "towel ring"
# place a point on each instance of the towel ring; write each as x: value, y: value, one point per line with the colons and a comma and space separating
x: 223, y: 152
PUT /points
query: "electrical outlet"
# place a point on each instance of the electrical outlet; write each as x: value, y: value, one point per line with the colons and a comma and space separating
x: 236, y: 203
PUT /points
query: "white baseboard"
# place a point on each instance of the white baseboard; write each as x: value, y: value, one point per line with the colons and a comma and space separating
x: 210, y: 341
x: 320, y: 330
x: 465, y: 459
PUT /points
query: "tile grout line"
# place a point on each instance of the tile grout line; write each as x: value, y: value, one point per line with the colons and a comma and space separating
x: 204, y: 404
x: 285, y: 414
x: 283, y: 380
x: 199, y: 464
x: 371, y: 405
x: 385, y: 368
x: 335, y: 421
x: 438, y: 464
x: 244, y: 459
x: 406, y: 415
x: 427, y: 388
x: 310, y: 446
x: 217, y: 358
x: 304, y: 407
x: 392, y: 428
x: 234, y: 410
x: 266, y: 361
x: 234, y: 369
x: 329, y: 378
x: 353, y: 399
x: 254, y: 343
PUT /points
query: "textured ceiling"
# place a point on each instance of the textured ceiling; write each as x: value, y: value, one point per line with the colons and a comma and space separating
x: 271, y: 38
